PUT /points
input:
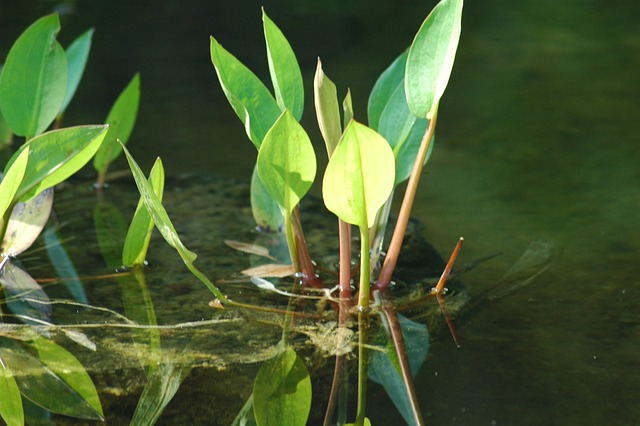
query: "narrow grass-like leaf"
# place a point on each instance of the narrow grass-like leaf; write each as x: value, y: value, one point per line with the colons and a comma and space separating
x: 284, y: 69
x: 359, y: 176
x: 77, y: 55
x: 431, y: 57
x: 11, y: 401
x: 11, y: 180
x: 121, y: 120
x: 136, y: 244
x: 69, y: 369
x: 26, y: 223
x: 327, y: 109
x: 384, y: 87
x: 56, y: 155
x: 287, y: 162
x: 248, y: 96
x: 282, y: 391
x: 34, y: 79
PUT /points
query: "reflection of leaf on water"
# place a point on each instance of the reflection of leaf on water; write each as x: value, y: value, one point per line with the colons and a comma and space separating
x: 23, y: 295
x: 63, y: 265
x: 535, y: 260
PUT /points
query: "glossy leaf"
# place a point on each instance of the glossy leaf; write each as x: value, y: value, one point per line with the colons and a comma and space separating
x: 26, y: 223
x: 40, y: 384
x: 284, y: 69
x: 282, y: 391
x: 264, y: 208
x: 24, y: 296
x: 34, y: 79
x: 121, y: 119
x: 77, y: 54
x: 359, y: 176
x: 287, y: 162
x: 56, y: 155
x: 70, y: 370
x: 327, y: 109
x: 11, y: 181
x: 431, y: 57
x: 11, y: 401
x: 136, y: 243
x: 248, y: 96
x: 384, y: 87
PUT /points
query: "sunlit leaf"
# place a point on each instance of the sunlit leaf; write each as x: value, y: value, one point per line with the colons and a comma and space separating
x: 431, y: 57
x: 249, y: 248
x: 248, y: 96
x: 63, y: 265
x: 70, y: 370
x: 11, y: 181
x: 347, y: 107
x: 270, y: 270
x: 26, y: 222
x: 284, y: 69
x: 282, y: 391
x: 11, y: 400
x: 34, y: 79
x: 56, y: 155
x: 45, y: 388
x: 384, y: 87
x: 23, y: 295
x: 77, y: 54
x: 287, y: 162
x: 121, y: 120
x: 327, y: 109
x: 359, y: 176
x: 136, y: 243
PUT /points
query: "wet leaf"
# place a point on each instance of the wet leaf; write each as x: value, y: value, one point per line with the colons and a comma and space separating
x: 64, y: 365
x: 327, y: 109
x: 34, y: 79
x: 121, y: 120
x: 23, y: 295
x: 56, y: 155
x: 359, y: 176
x: 284, y: 69
x: 249, y: 248
x: 138, y: 237
x: 282, y: 391
x: 270, y: 270
x: 248, y: 96
x: 287, y: 162
x: 26, y: 223
x: 11, y: 401
x: 11, y: 181
x: 431, y: 57
x: 77, y: 54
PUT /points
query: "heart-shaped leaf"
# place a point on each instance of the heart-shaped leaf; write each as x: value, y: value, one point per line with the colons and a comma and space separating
x: 284, y: 69
x: 287, y: 162
x: 431, y: 57
x: 359, y: 176
x: 34, y: 79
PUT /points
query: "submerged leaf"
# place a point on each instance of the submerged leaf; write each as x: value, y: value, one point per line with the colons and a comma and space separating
x: 26, y: 223
x: 282, y: 391
x: 24, y: 296
x: 249, y: 248
x: 270, y: 270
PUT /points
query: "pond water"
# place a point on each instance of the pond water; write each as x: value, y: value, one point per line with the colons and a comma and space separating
x: 535, y: 142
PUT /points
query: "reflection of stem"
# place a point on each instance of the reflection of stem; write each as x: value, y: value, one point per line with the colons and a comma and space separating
x: 405, y: 210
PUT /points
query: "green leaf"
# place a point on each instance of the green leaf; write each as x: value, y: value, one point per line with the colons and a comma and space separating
x: 34, y: 79
x: 327, y: 109
x: 347, y: 107
x: 11, y: 401
x: 284, y: 69
x: 248, y: 96
x: 264, y: 208
x: 63, y: 265
x: 431, y: 57
x: 286, y: 162
x: 121, y: 120
x: 26, y: 223
x: 77, y: 54
x: 11, y: 181
x: 69, y: 369
x: 136, y: 244
x: 359, y: 176
x: 386, y: 84
x: 56, y: 155
x: 282, y: 391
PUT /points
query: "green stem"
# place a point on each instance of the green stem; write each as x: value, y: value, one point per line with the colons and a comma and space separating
x: 363, y: 367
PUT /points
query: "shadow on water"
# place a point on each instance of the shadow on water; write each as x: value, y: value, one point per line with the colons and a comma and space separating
x: 536, y: 143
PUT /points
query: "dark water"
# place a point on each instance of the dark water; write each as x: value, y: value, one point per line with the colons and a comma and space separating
x: 536, y: 141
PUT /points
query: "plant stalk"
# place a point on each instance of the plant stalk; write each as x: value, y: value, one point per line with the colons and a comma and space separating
x: 405, y: 210
x: 363, y: 367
